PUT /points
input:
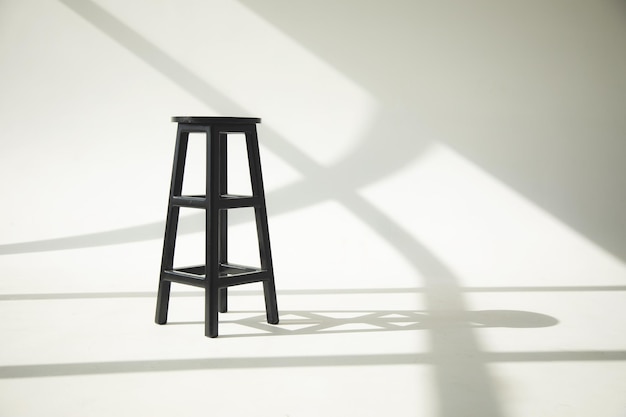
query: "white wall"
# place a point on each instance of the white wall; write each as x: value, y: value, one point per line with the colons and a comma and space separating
x: 484, y: 139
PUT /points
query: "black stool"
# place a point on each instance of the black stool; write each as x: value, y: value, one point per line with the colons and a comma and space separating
x: 216, y: 275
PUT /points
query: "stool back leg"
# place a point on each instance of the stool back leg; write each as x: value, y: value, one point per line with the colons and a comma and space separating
x: 212, y: 233
x: 223, y: 217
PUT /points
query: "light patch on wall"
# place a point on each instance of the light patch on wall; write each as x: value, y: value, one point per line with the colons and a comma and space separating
x: 484, y: 231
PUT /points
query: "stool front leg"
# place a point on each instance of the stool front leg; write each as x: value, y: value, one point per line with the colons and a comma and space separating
x: 163, y: 301
x: 171, y: 224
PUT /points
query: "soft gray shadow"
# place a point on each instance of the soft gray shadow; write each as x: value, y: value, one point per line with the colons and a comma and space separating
x: 358, y: 321
x: 112, y: 237
x: 320, y: 291
x: 171, y: 365
x: 551, y: 127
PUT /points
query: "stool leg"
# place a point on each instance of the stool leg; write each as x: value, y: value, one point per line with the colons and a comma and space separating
x: 271, y: 307
x: 171, y: 225
x: 223, y: 217
x: 269, y: 287
x: 212, y: 234
x: 260, y: 212
x: 223, y: 242
x: 210, y: 310
x: 163, y: 301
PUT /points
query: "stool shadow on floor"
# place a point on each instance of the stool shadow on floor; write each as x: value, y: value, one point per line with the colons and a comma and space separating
x: 253, y: 323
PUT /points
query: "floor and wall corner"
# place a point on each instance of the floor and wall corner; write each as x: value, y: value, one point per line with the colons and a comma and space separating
x: 444, y: 183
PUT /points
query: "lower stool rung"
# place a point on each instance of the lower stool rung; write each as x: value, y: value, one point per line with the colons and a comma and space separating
x: 229, y: 275
x: 230, y: 270
x: 183, y: 277
x: 247, y: 278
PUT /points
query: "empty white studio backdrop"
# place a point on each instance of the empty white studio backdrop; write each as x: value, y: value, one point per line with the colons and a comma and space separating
x: 451, y: 161
x: 90, y: 87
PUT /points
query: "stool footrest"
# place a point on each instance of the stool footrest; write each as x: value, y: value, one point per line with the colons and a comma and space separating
x: 228, y: 276
x: 226, y: 201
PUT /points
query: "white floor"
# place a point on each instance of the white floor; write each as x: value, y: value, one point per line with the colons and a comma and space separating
x: 78, y: 339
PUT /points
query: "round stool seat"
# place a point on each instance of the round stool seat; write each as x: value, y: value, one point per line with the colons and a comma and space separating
x: 215, y: 120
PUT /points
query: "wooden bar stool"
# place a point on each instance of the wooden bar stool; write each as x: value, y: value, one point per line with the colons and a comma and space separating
x: 217, y: 274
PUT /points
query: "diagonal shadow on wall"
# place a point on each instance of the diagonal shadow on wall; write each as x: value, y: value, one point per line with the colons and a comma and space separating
x: 452, y: 64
